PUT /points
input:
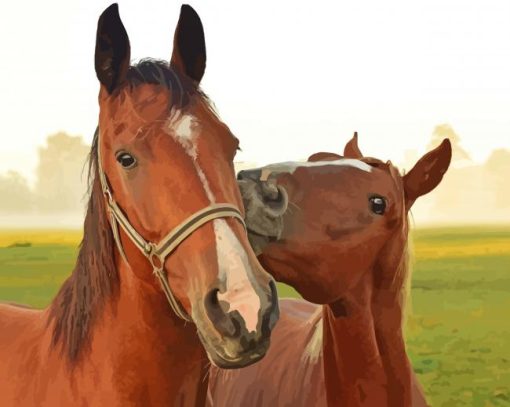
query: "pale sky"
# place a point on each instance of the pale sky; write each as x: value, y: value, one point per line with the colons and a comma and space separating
x: 289, y: 77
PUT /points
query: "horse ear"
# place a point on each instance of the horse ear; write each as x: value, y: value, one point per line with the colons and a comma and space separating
x: 189, y: 55
x: 112, y: 49
x: 427, y: 172
x: 324, y: 157
x: 351, y: 149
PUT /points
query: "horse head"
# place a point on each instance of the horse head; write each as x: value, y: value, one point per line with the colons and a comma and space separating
x: 345, y: 213
x: 166, y: 165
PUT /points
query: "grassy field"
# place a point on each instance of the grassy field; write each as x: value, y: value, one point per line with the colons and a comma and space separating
x: 458, y: 333
x: 458, y: 330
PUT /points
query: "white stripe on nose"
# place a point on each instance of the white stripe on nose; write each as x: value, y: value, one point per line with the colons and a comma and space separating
x: 234, y: 268
x: 233, y: 265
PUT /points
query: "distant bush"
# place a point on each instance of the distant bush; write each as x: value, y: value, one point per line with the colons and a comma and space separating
x: 15, y: 194
x: 20, y: 244
x: 61, y: 181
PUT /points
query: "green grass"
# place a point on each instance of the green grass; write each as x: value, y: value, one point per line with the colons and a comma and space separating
x: 458, y: 330
x: 458, y: 333
x: 33, y: 275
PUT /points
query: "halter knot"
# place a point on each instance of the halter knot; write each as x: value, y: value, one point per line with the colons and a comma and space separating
x: 155, y: 260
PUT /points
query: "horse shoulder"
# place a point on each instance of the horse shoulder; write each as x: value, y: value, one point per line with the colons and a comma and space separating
x: 21, y: 330
x: 18, y: 324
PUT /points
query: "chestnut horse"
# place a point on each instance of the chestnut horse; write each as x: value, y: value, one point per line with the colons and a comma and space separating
x: 342, y: 243
x: 117, y: 335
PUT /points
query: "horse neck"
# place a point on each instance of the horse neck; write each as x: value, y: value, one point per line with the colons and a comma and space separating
x: 353, y: 368
x: 149, y: 352
x: 388, y: 301
x: 365, y: 360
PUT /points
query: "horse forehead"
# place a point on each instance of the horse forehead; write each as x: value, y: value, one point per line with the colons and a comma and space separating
x: 143, y: 104
x: 186, y: 128
x: 182, y: 126
x: 292, y: 166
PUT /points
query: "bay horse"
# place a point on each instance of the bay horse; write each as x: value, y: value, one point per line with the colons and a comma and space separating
x: 143, y: 308
x: 341, y: 243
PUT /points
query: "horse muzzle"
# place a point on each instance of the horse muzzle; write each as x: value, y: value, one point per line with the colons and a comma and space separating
x: 265, y: 204
x: 235, y: 343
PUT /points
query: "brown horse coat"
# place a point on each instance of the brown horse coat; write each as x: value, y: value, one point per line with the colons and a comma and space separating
x: 343, y: 244
x: 110, y: 337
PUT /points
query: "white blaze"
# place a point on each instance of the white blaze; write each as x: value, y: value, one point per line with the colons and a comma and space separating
x: 183, y: 132
x: 292, y: 166
x: 233, y: 264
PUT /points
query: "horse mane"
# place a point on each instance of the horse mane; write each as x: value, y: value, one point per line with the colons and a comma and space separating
x: 404, y: 274
x: 396, y: 276
x: 158, y: 72
x: 407, y: 271
x: 402, y: 279
x: 95, y: 278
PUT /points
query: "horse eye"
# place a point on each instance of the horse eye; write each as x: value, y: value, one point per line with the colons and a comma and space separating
x: 126, y: 160
x: 377, y: 204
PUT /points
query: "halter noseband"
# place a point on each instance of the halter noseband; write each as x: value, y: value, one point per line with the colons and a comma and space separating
x: 157, y: 253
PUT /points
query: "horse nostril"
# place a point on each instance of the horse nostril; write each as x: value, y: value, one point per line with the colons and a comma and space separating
x: 211, y: 303
x: 213, y: 307
x: 225, y: 322
x: 270, y: 191
x: 275, y: 197
x: 236, y: 324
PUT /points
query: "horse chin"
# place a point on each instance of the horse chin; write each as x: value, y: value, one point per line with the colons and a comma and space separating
x: 317, y: 296
x: 311, y: 290
x: 314, y: 291
x: 225, y: 355
x: 223, y: 361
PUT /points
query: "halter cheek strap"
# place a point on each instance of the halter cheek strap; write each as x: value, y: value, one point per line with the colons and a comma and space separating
x: 157, y: 253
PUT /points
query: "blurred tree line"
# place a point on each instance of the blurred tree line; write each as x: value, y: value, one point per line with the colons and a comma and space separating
x: 15, y: 192
x: 61, y: 179
x: 469, y: 192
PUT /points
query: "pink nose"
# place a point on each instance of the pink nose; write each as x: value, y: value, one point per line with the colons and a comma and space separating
x: 242, y: 314
x: 243, y: 299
